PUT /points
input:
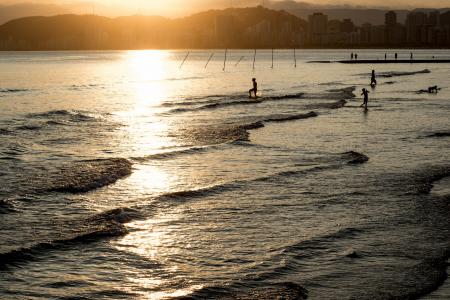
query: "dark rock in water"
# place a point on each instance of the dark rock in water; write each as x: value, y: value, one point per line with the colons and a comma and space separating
x: 353, y: 254
x: 282, y: 291
x: 85, y: 176
x: 355, y: 158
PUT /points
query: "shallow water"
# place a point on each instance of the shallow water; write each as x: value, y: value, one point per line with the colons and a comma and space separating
x: 126, y: 176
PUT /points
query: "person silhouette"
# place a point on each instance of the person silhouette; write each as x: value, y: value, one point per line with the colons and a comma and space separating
x: 396, y: 56
x: 373, y: 80
x: 351, y: 56
x: 356, y: 56
x: 254, y: 89
x: 385, y: 56
x: 366, y: 98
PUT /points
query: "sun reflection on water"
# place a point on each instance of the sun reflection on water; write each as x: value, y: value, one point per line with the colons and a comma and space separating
x: 153, y: 240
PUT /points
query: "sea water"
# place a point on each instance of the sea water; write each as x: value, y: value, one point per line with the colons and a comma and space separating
x: 133, y: 175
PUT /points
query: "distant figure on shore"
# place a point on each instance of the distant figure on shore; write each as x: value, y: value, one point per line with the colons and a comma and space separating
x: 433, y: 89
x: 351, y: 56
x: 254, y: 89
x: 396, y: 56
x: 356, y: 56
x: 385, y: 56
x: 366, y: 98
x: 373, y: 80
x: 411, y: 56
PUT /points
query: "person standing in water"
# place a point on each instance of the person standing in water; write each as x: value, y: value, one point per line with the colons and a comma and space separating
x: 366, y: 98
x: 373, y: 80
x: 254, y: 89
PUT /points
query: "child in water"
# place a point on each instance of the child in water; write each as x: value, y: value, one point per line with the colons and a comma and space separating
x: 254, y: 89
x: 373, y: 80
x: 366, y: 98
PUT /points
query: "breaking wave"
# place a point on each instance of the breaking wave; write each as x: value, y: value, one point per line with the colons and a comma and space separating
x: 424, y: 180
x: 76, y: 231
x: 240, y: 101
x: 71, y: 115
x: 439, y: 134
x: 234, y: 133
x: 6, y: 91
x: 391, y: 74
x: 283, y: 290
x: 84, y: 176
x: 332, y: 105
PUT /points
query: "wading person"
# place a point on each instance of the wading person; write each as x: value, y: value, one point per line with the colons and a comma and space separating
x: 366, y: 98
x: 254, y: 89
x: 373, y: 80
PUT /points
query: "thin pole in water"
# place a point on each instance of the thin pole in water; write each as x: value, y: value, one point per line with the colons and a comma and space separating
x: 272, y: 58
x: 240, y: 59
x: 184, y: 60
x: 254, y: 59
x: 295, y: 59
x: 225, y: 60
x: 209, y: 59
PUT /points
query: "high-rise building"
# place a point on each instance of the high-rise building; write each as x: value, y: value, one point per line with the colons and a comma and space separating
x: 390, y: 18
x: 414, y: 25
x: 318, y: 23
x: 348, y: 26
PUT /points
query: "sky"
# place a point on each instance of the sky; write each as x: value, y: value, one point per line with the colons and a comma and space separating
x: 176, y: 8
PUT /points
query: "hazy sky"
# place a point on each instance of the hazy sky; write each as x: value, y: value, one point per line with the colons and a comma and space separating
x: 182, y: 7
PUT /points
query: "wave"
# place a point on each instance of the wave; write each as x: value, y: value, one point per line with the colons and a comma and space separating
x: 283, y: 290
x: 391, y: 74
x: 439, y: 134
x: 72, y: 115
x: 236, y: 133
x: 5, y: 90
x: 175, y: 153
x: 336, y: 94
x: 335, y: 161
x: 428, y: 276
x: 240, y: 101
x: 425, y: 179
x: 355, y: 158
x: 31, y: 127
x: 6, y: 207
x: 334, y: 105
x: 4, y: 131
x: 84, y: 176
x: 86, y: 86
x: 285, y: 118
x: 78, y: 231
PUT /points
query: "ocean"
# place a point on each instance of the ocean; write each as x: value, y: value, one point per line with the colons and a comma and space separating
x: 135, y: 175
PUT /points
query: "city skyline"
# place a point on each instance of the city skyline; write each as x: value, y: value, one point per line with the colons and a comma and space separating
x: 242, y: 28
x: 177, y: 8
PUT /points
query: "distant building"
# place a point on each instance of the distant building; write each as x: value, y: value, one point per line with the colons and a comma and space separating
x: 318, y: 26
x: 415, y: 22
x: 347, y: 26
x: 390, y: 18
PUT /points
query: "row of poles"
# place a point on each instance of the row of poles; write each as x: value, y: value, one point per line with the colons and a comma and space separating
x: 239, y: 60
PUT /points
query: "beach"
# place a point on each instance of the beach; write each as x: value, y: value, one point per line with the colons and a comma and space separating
x: 152, y: 175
